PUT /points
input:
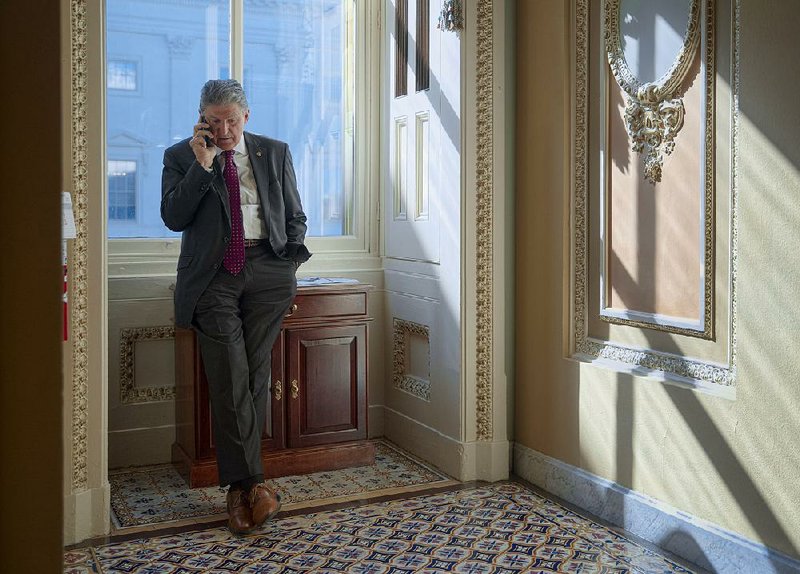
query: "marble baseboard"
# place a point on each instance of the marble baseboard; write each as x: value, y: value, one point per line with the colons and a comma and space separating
x: 693, y: 539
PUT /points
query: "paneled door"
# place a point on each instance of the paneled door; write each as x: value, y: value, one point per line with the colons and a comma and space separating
x: 412, y: 202
x: 422, y: 209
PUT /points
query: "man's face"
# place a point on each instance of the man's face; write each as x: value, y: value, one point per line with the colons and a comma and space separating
x: 226, y: 123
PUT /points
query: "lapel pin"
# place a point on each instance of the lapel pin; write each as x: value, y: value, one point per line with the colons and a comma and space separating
x: 258, y: 153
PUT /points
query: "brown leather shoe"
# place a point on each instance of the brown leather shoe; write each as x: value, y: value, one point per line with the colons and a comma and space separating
x: 264, y: 503
x: 240, y: 519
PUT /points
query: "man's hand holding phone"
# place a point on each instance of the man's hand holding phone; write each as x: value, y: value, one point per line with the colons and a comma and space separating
x: 201, y: 143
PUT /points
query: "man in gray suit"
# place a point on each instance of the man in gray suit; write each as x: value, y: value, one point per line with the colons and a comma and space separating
x: 234, y: 196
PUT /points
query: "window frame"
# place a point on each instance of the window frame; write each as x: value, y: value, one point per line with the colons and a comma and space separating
x: 134, y: 257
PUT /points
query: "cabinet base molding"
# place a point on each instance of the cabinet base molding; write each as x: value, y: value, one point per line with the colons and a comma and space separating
x: 203, y: 472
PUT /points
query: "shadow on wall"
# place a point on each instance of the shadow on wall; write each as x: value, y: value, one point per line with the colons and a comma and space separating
x: 766, y: 116
x: 690, y: 549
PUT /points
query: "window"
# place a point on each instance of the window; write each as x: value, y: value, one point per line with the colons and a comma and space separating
x: 122, y: 75
x: 299, y: 59
x: 121, y: 190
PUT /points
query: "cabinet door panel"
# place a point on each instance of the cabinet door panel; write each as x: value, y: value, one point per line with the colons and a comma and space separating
x: 327, y: 373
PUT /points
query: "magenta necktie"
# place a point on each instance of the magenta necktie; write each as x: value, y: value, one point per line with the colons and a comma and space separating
x: 234, y: 255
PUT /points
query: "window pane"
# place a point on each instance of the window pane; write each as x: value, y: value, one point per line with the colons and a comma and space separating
x: 401, y: 48
x: 299, y: 58
x: 423, y: 70
x: 122, y: 75
x: 122, y: 190
x: 159, y: 54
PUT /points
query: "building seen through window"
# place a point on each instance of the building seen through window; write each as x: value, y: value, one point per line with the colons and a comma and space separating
x: 299, y: 80
x: 121, y: 191
x: 122, y: 75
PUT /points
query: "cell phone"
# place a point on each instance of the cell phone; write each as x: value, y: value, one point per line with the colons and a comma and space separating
x: 208, y: 139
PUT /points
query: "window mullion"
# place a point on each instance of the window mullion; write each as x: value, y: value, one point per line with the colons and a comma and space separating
x: 237, y: 40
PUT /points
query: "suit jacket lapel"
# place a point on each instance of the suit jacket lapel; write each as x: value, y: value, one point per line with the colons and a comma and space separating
x: 218, y: 183
x: 258, y: 161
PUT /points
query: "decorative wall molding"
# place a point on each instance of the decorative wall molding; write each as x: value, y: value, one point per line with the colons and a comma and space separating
x: 584, y: 347
x: 704, y: 327
x: 420, y: 388
x: 734, y: 221
x: 689, y: 537
x: 484, y: 219
x: 128, y: 391
x: 80, y: 248
x: 653, y: 113
x: 451, y: 18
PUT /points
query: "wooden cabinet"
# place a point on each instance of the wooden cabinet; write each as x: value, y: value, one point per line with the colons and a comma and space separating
x: 317, y: 407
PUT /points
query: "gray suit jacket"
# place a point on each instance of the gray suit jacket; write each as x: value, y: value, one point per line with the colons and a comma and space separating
x: 195, y: 202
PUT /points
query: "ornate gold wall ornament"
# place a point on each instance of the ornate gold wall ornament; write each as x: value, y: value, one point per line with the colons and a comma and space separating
x: 653, y: 115
x: 583, y: 346
x: 420, y: 388
x: 128, y: 391
x: 484, y: 219
x: 79, y: 323
x: 451, y: 17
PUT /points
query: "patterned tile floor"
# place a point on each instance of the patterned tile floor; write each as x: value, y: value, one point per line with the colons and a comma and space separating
x: 499, y: 528
x: 150, y: 495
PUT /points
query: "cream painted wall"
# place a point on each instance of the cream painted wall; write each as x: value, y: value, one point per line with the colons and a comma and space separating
x: 733, y: 462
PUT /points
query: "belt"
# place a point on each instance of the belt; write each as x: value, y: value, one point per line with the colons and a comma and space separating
x: 254, y: 242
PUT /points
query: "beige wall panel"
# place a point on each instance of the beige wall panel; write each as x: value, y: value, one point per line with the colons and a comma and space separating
x: 655, y: 244
x: 732, y: 462
x: 542, y: 160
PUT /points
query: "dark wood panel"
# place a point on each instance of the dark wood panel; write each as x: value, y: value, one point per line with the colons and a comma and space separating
x: 317, y: 459
x: 327, y: 305
x: 330, y: 367
x: 187, y: 367
x: 287, y: 462
x: 330, y: 385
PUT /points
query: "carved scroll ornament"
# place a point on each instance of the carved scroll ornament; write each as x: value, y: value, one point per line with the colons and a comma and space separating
x: 653, y: 113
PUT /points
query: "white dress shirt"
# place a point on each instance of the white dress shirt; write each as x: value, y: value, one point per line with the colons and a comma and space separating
x: 252, y: 214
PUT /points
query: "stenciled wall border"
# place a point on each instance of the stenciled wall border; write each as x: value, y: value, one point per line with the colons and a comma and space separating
x: 401, y: 329
x: 79, y: 328
x: 484, y: 219
x: 584, y: 347
x: 129, y: 393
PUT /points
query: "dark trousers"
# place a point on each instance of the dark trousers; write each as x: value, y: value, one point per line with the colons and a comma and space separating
x: 237, y: 320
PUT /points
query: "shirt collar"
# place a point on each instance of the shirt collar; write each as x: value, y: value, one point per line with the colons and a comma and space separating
x: 240, y: 148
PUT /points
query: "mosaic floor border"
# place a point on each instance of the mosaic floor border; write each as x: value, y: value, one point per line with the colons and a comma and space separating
x: 493, y: 529
x: 146, y: 496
